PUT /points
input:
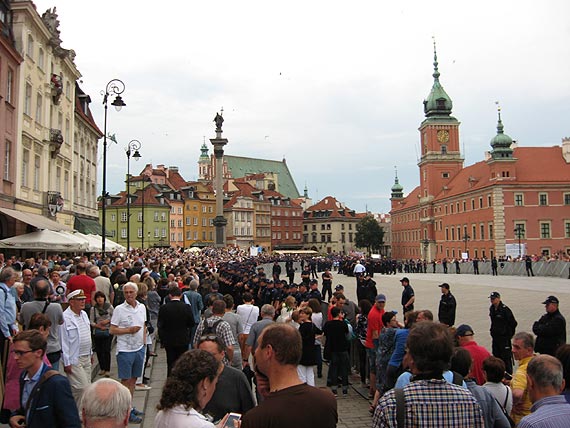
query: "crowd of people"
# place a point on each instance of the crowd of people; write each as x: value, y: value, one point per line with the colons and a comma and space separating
x: 242, y: 337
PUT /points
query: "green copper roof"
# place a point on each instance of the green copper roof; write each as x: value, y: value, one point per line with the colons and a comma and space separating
x: 438, y: 103
x: 397, y: 188
x: 204, y: 154
x: 242, y: 166
x: 501, y: 143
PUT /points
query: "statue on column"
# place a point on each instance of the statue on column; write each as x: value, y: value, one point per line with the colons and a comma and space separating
x: 218, y: 120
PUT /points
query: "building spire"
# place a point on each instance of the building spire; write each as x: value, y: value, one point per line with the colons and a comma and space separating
x: 501, y: 143
x: 435, y: 63
x: 397, y: 188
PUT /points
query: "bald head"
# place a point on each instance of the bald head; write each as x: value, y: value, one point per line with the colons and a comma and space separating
x: 106, y: 403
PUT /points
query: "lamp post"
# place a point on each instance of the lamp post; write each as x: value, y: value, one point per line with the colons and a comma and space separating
x: 132, y: 150
x: 115, y: 87
x: 519, y: 231
x: 466, y: 239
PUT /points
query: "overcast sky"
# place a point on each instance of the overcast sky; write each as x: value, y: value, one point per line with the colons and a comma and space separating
x: 334, y: 87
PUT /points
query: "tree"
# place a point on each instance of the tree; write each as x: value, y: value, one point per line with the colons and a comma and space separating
x: 369, y: 234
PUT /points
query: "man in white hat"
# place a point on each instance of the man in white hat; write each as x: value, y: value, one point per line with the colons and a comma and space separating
x: 75, y: 336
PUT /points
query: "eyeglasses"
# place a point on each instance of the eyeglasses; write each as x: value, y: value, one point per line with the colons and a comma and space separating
x: 210, y: 337
x: 20, y: 353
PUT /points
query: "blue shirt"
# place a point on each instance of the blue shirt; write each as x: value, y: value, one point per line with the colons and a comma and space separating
x: 548, y: 412
x: 7, y: 310
x: 406, y: 377
x: 29, y: 384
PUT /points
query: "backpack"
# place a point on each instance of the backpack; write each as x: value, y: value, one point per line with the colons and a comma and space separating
x: 210, y: 330
x: 119, y: 296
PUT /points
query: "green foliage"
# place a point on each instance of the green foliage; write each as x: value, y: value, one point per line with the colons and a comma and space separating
x: 369, y: 234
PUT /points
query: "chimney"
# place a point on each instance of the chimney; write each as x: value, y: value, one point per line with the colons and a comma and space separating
x: 566, y: 149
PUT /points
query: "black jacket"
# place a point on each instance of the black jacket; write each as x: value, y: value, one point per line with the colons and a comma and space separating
x: 550, y: 332
x: 175, y: 321
x: 503, y: 322
x: 447, y: 307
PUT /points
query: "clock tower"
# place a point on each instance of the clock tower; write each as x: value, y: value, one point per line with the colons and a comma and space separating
x: 440, y: 159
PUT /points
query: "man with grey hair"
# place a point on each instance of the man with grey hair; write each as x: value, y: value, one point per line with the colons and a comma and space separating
x: 7, y: 309
x: 523, y: 351
x: 545, y: 383
x: 128, y: 323
x: 267, y: 313
x: 102, y: 283
x: 106, y: 404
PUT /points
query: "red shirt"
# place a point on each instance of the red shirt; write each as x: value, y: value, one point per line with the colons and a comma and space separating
x: 374, y: 324
x: 82, y: 282
x: 478, y: 354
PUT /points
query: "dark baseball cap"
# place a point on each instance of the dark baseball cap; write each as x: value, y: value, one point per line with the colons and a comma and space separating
x: 381, y: 298
x: 444, y: 285
x: 464, y: 330
x: 339, y: 287
x: 551, y: 299
x: 313, y: 281
x: 495, y: 295
x: 405, y: 279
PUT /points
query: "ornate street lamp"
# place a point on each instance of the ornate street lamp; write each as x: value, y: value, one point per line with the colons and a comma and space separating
x: 466, y: 239
x: 519, y: 232
x: 132, y: 150
x: 114, y: 88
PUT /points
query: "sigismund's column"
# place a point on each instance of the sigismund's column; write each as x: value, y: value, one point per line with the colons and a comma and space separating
x: 219, y: 143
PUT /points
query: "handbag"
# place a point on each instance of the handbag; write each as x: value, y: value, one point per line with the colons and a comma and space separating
x: 99, y: 332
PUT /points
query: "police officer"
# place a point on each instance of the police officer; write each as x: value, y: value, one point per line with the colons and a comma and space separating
x: 550, y: 329
x: 447, y: 306
x: 503, y: 325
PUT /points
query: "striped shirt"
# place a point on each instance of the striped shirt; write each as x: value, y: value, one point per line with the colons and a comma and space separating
x: 549, y: 412
x: 432, y: 403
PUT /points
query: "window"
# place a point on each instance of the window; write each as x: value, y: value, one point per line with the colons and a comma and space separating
x: 39, y: 107
x: 490, y: 231
x: 123, y: 232
x: 179, y: 223
x: 139, y: 232
x: 156, y: 232
x: 28, y: 99
x: 543, y: 199
x: 545, y: 230
x: 195, y: 221
x: 481, y: 202
x: 204, y: 221
x: 489, y: 200
x: 173, y: 236
x: 30, y: 47
x: 37, y: 175
x: 445, y: 175
x: 179, y: 210
x: 139, y: 216
x: 156, y: 216
x: 482, y: 233
x: 443, y: 149
x: 9, y: 85
x: 113, y: 217
x: 188, y: 222
x: 188, y: 234
x: 124, y: 216
x: 162, y: 216
x: 7, y: 154
x: 41, y: 58
x: 172, y: 223
x: 567, y: 229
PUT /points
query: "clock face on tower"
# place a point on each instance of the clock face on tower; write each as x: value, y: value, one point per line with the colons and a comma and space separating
x: 443, y: 136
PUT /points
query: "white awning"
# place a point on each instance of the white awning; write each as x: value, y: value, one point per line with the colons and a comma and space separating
x: 35, y: 220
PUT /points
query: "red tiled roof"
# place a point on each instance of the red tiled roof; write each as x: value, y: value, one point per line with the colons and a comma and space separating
x: 533, y: 165
x: 337, y: 210
x: 176, y: 180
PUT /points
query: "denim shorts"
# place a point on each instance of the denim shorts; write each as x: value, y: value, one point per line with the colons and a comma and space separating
x: 130, y: 364
x: 371, y: 353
